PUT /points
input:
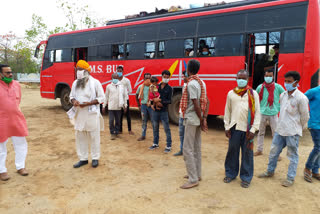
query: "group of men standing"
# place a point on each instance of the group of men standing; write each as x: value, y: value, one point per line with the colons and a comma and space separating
x: 246, y: 112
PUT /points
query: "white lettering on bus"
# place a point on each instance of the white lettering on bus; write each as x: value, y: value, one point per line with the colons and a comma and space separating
x: 100, y: 69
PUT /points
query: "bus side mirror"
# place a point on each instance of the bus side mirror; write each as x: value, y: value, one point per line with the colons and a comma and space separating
x: 36, y: 53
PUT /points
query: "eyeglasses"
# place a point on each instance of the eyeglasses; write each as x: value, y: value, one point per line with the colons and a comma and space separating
x: 9, y: 72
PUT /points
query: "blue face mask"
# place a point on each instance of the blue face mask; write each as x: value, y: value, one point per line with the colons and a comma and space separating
x: 289, y: 86
x: 119, y: 74
x: 242, y: 83
x: 268, y: 79
x: 115, y: 81
x: 205, y: 53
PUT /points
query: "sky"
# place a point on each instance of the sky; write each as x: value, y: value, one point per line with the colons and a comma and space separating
x: 16, y: 15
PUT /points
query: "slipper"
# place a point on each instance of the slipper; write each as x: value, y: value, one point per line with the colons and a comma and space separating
x: 227, y: 180
x: 316, y: 176
x: 307, y: 175
x: 189, y: 185
x: 245, y: 184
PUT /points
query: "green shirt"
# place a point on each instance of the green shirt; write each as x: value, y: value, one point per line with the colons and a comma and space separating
x: 145, y: 94
x: 265, y: 109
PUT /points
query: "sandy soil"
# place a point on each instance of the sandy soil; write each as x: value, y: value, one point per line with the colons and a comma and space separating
x: 132, y: 179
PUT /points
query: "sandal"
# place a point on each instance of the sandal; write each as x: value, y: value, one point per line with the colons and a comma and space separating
x: 245, y: 184
x: 227, y: 180
x: 316, y: 176
x: 307, y: 175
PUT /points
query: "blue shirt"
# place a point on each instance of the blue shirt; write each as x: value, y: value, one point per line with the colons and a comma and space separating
x: 314, y: 103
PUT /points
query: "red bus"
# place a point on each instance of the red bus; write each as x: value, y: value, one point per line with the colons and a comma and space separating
x: 237, y: 35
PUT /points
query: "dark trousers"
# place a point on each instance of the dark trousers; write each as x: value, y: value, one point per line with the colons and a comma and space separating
x: 128, y: 117
x: 162, y: 116
x: 237, y: 141
x: 114, y: 121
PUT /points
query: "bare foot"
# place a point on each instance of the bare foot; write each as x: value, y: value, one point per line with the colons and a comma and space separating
x: 131, y: 133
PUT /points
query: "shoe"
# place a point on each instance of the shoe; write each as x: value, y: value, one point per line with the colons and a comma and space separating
x: 113, y: 137
x: 80, y: 164
x: 141, y: 138
x: 266, y: 175
x: 131, y: 133
x: 154, y: 146
x: 245, y: 184
x: 287, y: 183
x: 178, y: 153
x: 23, y: 172
x: 95, y: 163
x: 257, y: 153
x: 167, y: 150
x: 4, y: 176
x: 189, y: 185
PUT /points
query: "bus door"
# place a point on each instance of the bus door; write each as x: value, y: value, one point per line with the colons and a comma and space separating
x: 250, y: 56
x: 262, y: 55
x: 81, y: 53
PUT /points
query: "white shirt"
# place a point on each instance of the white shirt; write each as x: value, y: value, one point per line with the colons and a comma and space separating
x: 236, y: 112
x: 127, y: 85
x: 294, y: 113
x: 116, y: 96
x: 85, y: 120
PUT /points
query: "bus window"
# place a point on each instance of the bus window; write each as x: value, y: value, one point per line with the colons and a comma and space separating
x: 206, y: 46
x: 228, y: 45
x: 63, y: 55
x: 117, y: 51
x: 135, y: 50
x: 293, y: 41
x: 51, y: 56
x: 98, y: 53
x: 174, y: 48
x: 188, y: 48
x: 150, y: 49
x: 161, y: 49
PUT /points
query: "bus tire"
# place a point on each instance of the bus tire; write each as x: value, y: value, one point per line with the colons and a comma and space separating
x: 65, y: 99
x: 173, y: 108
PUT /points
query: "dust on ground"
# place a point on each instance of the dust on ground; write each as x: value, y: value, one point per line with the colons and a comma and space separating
x: 132, y: 179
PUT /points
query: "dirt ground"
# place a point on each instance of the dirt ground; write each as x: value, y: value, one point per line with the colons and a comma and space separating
x: 132, y: 179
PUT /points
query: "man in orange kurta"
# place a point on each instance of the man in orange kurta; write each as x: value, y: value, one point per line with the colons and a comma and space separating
x: 12, y: 123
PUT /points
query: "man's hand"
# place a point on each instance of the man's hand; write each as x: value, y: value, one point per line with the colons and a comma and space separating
x: 204, y: 125
x: 85, y: 104
x: 139, y: 108
x: 250, y: 136
x: 75, y: 103
x: 228, y: 134
x: 156, y: 100
x: 104, y: 110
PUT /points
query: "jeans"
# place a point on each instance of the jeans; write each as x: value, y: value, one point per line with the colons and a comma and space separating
x: 181, y: 132
x: 278, y: 143
x: 313, y: 162
x: 114, y: 121
x: 238, y: 140
x: 163, y: 116
x: 128, y: 117
x: 146, y: 113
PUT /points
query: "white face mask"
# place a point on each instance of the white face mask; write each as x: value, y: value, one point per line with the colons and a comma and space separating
x: 80, y: 74
x: 164, y: 80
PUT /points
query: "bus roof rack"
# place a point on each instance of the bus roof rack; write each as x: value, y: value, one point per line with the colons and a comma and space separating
x: 187, y: 11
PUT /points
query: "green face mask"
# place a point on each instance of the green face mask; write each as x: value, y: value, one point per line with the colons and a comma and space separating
x: 6, y: 80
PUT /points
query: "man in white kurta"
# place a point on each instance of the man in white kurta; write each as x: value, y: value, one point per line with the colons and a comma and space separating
x: 86, y: 95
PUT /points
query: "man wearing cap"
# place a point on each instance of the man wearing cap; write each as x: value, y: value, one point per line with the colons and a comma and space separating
x: 12, y: 123
x: 86, y: 95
